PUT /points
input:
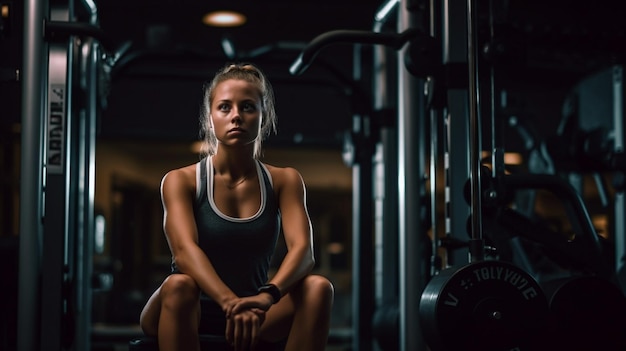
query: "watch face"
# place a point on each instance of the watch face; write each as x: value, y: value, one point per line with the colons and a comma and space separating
x: 272, y: 290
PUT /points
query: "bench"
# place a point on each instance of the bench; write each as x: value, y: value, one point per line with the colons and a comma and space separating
x: 207, y: 342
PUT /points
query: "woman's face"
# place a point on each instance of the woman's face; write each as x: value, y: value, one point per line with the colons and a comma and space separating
x: 236, y: 113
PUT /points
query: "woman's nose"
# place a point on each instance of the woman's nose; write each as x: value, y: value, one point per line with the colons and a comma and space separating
x: 236, y: 116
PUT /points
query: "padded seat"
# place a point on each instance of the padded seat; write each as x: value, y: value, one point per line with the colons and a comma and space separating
x: 207, y: 343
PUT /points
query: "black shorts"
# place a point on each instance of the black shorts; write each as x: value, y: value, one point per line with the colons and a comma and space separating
x: 212, y: 319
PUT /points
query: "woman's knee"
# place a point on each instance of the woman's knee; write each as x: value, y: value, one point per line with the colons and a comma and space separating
x: 319, y: 287
x: 179, y: 290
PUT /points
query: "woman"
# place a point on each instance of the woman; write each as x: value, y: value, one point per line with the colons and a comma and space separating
x: 222, y: 217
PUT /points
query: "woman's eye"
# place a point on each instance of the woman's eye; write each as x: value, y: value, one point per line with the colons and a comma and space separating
x: 223, y: 107
x: 248, y: 107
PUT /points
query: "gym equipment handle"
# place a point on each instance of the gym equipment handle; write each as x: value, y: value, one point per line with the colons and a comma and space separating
x: 308, y: 54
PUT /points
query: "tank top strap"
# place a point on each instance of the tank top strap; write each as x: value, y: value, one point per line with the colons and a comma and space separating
x: 267, y: 176
x: 201, y: 179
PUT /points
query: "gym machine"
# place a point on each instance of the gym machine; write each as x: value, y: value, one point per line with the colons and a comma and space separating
x: 62, y: 95
x: 504, y: 299
x: 411, y: 254
x: 490, y: 303
x: 486, y: 304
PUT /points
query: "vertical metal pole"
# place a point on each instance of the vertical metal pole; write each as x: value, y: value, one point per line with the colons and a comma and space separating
x: 436, y: 118
x: 476, y: 244
x: 81, y: 190
x: 433, y: 180
x: 457, y: 130
x: 497, y: 145
x: 362, y: 257
x: 90, y: 57
x: 385, y: 171
x: 31, y: 172
x: 362, y: 237
x: 413, y: 263
x: 385, y: 176
x: 60, y: 205
x: 620, y: 201
x: 86, y: 195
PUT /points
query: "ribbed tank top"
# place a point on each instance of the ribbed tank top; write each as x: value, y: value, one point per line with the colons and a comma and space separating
x: 240, y: 249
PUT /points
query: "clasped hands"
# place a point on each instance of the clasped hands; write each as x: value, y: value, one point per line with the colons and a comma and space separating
x: 244, y: 317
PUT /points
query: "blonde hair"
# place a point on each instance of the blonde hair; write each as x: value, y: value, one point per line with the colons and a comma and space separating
x: 249, y: 73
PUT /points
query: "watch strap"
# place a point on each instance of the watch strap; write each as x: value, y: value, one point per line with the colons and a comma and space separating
x: 272, y: 290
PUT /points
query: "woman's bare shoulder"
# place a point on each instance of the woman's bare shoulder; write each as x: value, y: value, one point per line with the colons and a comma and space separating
x: 284, y: 175
x: 183, y: 178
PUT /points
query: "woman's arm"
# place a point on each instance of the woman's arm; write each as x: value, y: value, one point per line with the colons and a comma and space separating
x: 177, y: 195
x: 297, y: 230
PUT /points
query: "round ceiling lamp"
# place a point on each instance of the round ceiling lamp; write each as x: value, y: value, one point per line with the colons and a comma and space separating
x: 224, y: 19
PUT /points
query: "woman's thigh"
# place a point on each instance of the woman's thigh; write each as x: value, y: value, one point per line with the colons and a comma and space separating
x: 311, y: 296
x: 149, y: 318
x: 278, y: 319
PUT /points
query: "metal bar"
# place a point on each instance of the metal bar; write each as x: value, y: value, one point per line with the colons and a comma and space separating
x: 434, y: 201
x: 413, y: 261
x: 31, y: 173
x: 58, y: 207
x: 618, y: 148
x: 385, y: 169
x: 86, y: 193
x: 54, y: 234
x: 476, y: 245
x: 436, y: 118
x: 362, y: 257
x: 306, y: 57
x: 497, y: 147
x: 456, y: 143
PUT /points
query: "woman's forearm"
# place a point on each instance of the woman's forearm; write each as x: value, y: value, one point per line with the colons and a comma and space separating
x: 296, y: 264
x: 193, y: 261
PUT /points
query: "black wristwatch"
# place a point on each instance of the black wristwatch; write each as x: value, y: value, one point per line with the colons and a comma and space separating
x: 272, y: 290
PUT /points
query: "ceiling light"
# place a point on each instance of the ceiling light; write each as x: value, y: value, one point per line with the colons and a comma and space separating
x: 224, y: 19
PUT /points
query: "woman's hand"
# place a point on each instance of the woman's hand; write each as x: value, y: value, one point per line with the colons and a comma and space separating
x: 262, y: 302
x: 243, y: 328
x: 244, y: 318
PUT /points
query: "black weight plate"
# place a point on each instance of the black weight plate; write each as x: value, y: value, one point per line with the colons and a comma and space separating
x: 487, y: 305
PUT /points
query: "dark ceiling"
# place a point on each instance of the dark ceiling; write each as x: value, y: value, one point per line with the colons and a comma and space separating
x: 157, y: 85
x: 157, y: 88
x: 269, y: 22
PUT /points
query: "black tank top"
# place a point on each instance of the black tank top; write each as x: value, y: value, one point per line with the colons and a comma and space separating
x: 240, y: 249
